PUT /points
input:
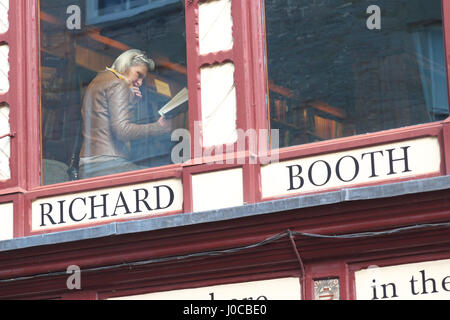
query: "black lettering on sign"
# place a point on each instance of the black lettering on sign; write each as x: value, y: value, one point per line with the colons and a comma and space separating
x: 61, y: 212
x: 404, y: 159
x: 123, y: 204
x: 338, y: 169
x: 311, y: 177
x: 139, y: 200
x: 94, y: 207
x: 301, y: 182
x: 102, y: 205
x: 71, y: 210
x: 158, y: 197
x: 47, y: 214
x: 348, y: 168
x: 372, y: 161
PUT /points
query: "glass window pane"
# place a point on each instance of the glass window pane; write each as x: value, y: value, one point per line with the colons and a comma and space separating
x: 100, y: 95
x: 338, y: 68
x: 107, y: 6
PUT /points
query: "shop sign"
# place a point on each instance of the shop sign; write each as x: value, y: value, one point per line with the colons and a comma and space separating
x: 103, y: 205
x: 347, y: 168
x: 416, y: 281
x: 275, y: 289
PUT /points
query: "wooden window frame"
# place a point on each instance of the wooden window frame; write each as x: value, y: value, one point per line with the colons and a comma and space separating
x: 438, y: 129
x: 249, y: 57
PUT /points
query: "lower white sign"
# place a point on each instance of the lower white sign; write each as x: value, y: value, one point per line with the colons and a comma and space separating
x: 103, y: 205
x: 275, y: 289
x: 416, y: 281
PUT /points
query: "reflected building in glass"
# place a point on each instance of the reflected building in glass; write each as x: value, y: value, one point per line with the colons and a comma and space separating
x: 332, y: 75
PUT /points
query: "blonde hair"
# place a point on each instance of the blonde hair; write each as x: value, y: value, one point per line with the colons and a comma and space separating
x: 131, y: 58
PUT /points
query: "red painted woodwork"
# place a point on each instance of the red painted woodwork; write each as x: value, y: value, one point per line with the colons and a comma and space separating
x: 18, y: 202
x: 323, y: 258
x: 15, y: 96
x: 248, y: 56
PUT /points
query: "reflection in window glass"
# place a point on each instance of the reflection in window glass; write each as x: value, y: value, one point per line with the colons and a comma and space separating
x: 100, y: 113
x: 108, y: 6
x: 333, y: 73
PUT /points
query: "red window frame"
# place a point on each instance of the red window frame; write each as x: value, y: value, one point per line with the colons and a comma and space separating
x: 249, y: 57
x: 439, y: 129
x: 15, y: 98
x: 24, y: 96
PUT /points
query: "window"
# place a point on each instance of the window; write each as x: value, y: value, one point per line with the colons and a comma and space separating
x: 74, y: 134
x: 338, y: 68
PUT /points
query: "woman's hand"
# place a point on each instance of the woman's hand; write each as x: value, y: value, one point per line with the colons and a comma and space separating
x: 165, y: 124
x: 137, y: 92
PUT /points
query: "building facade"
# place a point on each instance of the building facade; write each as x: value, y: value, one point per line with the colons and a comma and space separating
x: 310, y: 162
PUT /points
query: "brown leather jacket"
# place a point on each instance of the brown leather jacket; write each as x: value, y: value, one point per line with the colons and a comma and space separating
x: 108, y: 113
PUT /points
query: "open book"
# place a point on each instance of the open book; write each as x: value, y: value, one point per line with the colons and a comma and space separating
x: 176, y: 105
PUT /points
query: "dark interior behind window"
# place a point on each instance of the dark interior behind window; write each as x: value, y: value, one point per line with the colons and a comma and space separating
x: 331, y: 75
